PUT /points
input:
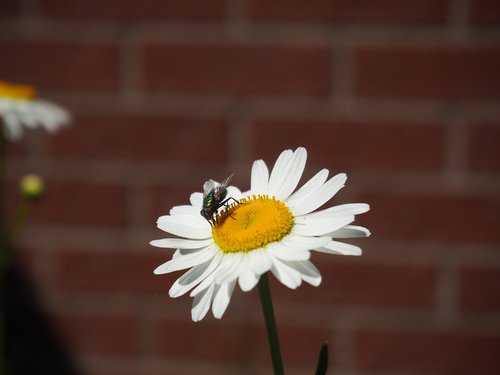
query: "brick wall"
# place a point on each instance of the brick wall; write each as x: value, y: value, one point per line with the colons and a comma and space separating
x: 402, y: 95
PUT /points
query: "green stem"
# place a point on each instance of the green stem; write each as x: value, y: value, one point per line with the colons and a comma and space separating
x: 19, y: 217
x: 272, y: 333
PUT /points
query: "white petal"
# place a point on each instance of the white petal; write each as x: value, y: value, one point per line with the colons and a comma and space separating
x: 318, y: 227
x: 181, y: 243
x: 351, y: 231
x: 309, y: 273
x: 293, y: 172
x: 184, y: 210
x: 278, y: 173
x: 258, y: 261
x: 299, y: 242
x: 196, y: 199
x: 335, y: 247
x: 201, y: 304
x: 285, y: 274
x: 308, y: 188
x: 344, y: 209
x: 260, y: 177
x: 194, y: 276
x: 206, y: 282
x: 222, y: 298
x: 247, y: 280
x: 321, y: 196
x: 284, y: 252
x: 185, y: 261
x: 185, y: 226
x: 233, y: 192
x: 229, y: 268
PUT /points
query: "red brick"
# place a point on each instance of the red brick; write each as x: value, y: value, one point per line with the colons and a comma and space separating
x: 111, y: 271
x: 135, y: 11
x: 480, y: 289
x: 81, y: 203
x: 485, y: 12
x: 354, y: 282
x: 137, y: 137
x: 237, y: 69
x: 110, y: 334
x: 444, y: 217
x: 347, y: 144
x: 435, y: 72
x: 444, y: 353
x: 380, y: 12
x: 211, y: 339
x: 61, y: 65
x: 484, y: 146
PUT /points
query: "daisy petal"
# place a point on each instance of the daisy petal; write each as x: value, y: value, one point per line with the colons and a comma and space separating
x: 351, y: 231
x: 293, y: 172
x: 278, y: 173
x: 194, y: 276
x: 260, y: 177
x: 185, y: 261
x: 285, y: 274
x: 185, y: 226
x: 196, y: 199
x: 181, y: 243
x: 280, y: 251
x: 229, y: 268
x: 308, y: 271
x: 184, y: 210
x: 323, y: 195
x: 247, y: 280
x: 309, y: 188
x: 335, y: 247
x: 201, y: 304
x: 222, y: 298
x: 314, y: 227
x: 299, y: 242
x: 343, y: 209
x: 258, y: 261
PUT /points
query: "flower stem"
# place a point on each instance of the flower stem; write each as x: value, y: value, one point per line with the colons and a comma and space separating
x: 272, y: 333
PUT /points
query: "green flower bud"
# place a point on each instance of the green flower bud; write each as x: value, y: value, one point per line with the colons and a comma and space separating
x: 32, y: 186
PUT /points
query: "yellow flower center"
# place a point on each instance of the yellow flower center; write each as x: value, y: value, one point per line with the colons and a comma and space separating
x: 252, y: 223
x: 19, y: 92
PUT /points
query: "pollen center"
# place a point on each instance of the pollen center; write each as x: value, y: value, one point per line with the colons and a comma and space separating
x: 252, y: 223
x: 20, y: 92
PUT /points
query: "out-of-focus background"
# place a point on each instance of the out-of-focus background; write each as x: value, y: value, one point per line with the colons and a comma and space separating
x: 402, y: 95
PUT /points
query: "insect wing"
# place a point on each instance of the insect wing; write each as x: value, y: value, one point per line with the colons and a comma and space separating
x: 208, y: 187
x: 221, y: 190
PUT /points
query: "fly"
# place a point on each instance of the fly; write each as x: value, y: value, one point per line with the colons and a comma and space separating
x: 214, y: 197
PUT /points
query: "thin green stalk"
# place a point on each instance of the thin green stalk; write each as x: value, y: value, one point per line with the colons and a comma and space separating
x: 19, y: 218
x: 272, y: 333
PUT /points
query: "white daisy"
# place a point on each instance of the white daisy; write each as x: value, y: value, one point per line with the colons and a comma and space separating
x: 19, y: 107
x: 272, y: 228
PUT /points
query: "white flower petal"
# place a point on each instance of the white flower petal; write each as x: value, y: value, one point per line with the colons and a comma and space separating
x: 194, y: 276
x: 278, y: 173
x: 196, y: 199
x: 343, y: 209
x: 285, y: 274
x: 322, y: 195
x: 185, y: 261
x: 181, y: 243
x: 293, y: 173
x: 258, y: 261
x: 259, y: 177
x: 222, y: 298
x: 314, y: 227
x: 184, y: 210
x: 185, y: 226
x: 233, y: 192
x: 283, y: 252
x: 308, y: 189
x: 351, y: 231
x: 201, y: 304
x: 205, y: 283
x: 298, y: 242
x: 247, y: 280
x: 229, y: 268
x: 335, y: 247
x: 308, y: 272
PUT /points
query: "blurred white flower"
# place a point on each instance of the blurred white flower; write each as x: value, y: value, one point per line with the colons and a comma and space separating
x: 271, y: 228
x: 19, y: 107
